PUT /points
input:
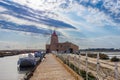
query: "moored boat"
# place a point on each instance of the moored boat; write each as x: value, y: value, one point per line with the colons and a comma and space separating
x: 27, y: 60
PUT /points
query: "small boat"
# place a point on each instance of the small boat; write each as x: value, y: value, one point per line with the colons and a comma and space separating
x: 27, y: 60
x: 37, y: 54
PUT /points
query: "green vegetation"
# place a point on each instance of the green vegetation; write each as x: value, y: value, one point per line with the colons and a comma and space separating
x: 77, y: 70
x: 115, y: 59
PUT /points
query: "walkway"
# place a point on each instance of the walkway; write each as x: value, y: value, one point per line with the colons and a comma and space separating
x: 51, y: 69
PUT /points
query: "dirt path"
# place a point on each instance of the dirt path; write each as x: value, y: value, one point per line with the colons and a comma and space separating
x: 51, y: 69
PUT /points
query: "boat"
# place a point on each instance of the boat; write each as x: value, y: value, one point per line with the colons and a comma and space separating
x: 37, y: 54
x: 27, y: 60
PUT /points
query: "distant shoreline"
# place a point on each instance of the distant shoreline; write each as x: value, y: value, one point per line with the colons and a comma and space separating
x: 4, y: 53
x: 100, y: 50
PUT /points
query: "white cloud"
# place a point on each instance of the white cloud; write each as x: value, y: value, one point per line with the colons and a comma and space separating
x: 2, y: 9
x: 99, y: 42
x: 39, y: 4
x: 94, y: 1
x: 112, y: 6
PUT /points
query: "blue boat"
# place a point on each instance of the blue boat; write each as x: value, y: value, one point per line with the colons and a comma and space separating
x: 27, y: 60
x: 37, y: 54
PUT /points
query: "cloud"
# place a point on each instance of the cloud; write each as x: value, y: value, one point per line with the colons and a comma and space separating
x: 47, y: 18
x: 89, y: 21
x: 15, y: 10
x: 87, y: 18
x: 108, y: 7
x: 99, y: 42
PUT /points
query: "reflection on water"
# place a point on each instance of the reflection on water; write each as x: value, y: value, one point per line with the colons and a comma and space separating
x: 9, y: 69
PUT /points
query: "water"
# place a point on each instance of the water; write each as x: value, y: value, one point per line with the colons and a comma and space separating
x: 112, y: 54
x: 9, y: 70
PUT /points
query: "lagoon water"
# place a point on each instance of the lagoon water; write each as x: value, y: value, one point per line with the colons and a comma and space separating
x: 8, y: 68
x: 111, y: 54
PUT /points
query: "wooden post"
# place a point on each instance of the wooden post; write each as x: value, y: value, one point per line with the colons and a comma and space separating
x: 98, y: 64
x: 116, y: 71
x: 86, y: 66
x: 79, y: 63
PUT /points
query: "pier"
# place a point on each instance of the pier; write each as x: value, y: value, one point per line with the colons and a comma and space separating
x: 51, y: 69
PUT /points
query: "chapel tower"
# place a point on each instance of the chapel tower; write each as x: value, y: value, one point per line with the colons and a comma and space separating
x: 54, y: 38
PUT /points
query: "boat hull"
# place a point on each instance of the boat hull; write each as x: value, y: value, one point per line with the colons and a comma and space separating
x: 27, y: 63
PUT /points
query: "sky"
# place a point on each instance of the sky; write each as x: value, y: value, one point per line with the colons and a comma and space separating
x: 28, y: 24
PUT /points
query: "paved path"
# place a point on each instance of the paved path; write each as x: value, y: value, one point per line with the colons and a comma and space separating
x: 51, y: 69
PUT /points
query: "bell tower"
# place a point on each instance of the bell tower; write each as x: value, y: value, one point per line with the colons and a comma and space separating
x: 54, y: 38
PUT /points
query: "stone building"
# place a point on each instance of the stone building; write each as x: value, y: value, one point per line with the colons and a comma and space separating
x: 60, y: 47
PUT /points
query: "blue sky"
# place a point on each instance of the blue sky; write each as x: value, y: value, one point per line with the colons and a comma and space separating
x: 27, y: 24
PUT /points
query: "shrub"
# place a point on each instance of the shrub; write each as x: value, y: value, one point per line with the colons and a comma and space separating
x: 115, y: 59
x: 104, y: 56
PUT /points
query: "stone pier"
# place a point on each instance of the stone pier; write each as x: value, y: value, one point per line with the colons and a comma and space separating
x: 51, y: 69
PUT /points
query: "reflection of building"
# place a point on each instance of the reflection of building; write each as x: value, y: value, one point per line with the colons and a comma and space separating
x: 61, y: 47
